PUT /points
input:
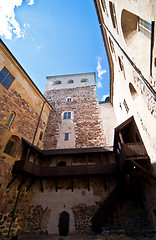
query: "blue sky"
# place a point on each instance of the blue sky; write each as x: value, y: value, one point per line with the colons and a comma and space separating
x: 55, y: 37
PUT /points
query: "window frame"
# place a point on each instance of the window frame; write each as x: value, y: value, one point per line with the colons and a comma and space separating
x: 66, y: 136
x: 67, y: 115
x: 69, y: 99
x: 144, y: 27
x: 6, y: 78
x: 10, y: 119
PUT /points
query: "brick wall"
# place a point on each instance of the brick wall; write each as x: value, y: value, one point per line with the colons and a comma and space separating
x: 87, y: 121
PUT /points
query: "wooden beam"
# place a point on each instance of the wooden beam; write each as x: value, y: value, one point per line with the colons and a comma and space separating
x: 143, y: 169
x: 72, y: 188
x: 42, y: 190
x: 104, y: 180
x: 88, y: 183
x: 56, y: 184
x: 30, y: 185
x: 121, y: 138
x: 11, y: 182
x: 22, y: 182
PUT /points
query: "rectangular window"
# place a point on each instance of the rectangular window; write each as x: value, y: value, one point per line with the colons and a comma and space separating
x: 5, y: 78
x: 66, y: 137
x: 145, y: 27
x: 67, y: 115
x: 9, y: 147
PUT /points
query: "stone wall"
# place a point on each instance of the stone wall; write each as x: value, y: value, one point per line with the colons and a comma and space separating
x: 87, y: 121
x: 24, y: 100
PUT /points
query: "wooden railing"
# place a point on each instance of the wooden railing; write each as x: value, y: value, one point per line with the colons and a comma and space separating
x: 36, y: 170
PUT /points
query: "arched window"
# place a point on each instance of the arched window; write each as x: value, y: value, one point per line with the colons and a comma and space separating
x: 12, y: 145
x: 67, y: 115
x: 129, y: 24
x: 70, y: 81
x: 10, y: 119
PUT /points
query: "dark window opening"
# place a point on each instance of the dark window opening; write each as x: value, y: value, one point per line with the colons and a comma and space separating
x: 62, y: 164
x: 12, y: 145
x: 41, y: 135
x: 9, y: 147
x: 5, y: 78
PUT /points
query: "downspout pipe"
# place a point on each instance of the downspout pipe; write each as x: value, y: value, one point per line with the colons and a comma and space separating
x: 38, y: 122
x: 139, y: 74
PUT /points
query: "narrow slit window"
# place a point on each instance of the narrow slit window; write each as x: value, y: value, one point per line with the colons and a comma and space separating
x: 41, y: 136
x: 113, y: 15
x: 5, y: 78
x: 10, y: 119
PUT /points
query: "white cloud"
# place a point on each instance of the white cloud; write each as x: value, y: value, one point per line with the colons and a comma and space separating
x: 30, y: 2
x: 40, y: 46
x: 99, y: 69
x: 99, y: 84
x: 104, y: 97
x: 8, y: 23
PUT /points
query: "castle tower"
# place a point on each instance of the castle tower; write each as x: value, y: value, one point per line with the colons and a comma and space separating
x: 75, y: 121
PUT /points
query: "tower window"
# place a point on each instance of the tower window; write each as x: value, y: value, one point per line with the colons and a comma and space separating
x: 84, y: 80
x: 69, y: 99
x: 67, y: 115
x: 66, y: 137
x: 144, y: 27
x: 56, y: 82
x: 5, y: 78
x: 10, y: 119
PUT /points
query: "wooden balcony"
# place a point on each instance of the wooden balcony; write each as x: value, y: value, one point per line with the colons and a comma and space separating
x: 74, y: 170
x: 134, y: 149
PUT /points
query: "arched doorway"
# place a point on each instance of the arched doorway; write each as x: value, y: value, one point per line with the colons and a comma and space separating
x: 64, y: 224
